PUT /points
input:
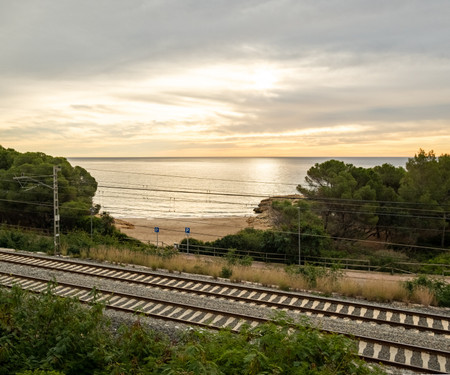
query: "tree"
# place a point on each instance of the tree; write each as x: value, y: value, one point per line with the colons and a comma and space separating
x: 426, y: 186
x: 389, y: 211
x: 344, y: 195
x: 32, y: 204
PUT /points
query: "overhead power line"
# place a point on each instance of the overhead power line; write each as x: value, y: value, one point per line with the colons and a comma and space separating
x: 197, y: 178
x: 183, y: 191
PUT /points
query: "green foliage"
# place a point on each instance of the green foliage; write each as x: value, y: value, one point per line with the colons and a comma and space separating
x: 246, y: 261
x: 282, y: 240
x: 233, y: 258
x: 74, y: 242
x: 365, y: 202
x: 138, y: 351
x: 281, y: 347
x: 440, y: 288
x: 33, y: 206
x: 23, y: 240
x: 48, y: 335
x: 226, y: 272
x: 47, y: 332
x: 247, y: 239
x: 40, y: 372
x: 438, y: 264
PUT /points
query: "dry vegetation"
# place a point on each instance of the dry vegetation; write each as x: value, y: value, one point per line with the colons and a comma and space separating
x: 267, y: 275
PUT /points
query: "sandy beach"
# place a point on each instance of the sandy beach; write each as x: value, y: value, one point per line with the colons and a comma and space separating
x: 173, y: 230
x: 206, y: 229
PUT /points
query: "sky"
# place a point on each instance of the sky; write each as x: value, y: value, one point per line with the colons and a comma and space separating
x: 181, y: 78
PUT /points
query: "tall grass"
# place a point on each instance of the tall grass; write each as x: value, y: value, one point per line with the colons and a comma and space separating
x: 274, y: 276
x: 373, y: 290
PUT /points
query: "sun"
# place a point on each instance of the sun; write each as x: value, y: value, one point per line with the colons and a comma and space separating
x: 264, y: 78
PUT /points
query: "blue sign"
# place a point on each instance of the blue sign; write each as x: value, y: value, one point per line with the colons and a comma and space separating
x: 187, y: 230
x: 156, y: 229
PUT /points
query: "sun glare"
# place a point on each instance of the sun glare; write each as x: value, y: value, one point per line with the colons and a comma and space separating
x: 264, y: 78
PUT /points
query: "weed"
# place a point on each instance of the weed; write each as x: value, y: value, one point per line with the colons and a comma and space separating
x: 226, y: 272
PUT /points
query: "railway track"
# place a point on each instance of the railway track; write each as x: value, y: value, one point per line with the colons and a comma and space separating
x: 392, y: 353
x: 303, y: 303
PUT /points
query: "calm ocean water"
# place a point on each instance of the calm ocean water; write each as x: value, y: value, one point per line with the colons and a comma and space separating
x: 199, y: 187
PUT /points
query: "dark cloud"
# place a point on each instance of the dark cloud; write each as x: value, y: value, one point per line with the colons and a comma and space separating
x: 76, y: 38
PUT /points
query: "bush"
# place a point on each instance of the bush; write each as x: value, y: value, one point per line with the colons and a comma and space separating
x: 52, y: 333
x: 231, y: 257
x: 40, y: 372
x: 438, y: 264
x: 281, y: 347
x: 439, y: 288
x: 226, y: 272
x: 48, y: 335
x: 246, y: 261
x: 22, y: 240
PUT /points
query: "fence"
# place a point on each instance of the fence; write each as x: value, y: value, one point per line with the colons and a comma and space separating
x: 344, y: 263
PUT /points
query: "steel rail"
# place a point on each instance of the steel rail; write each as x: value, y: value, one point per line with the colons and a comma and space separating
x: 125, y: 275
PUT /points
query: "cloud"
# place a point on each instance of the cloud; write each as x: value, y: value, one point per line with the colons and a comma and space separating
x: 155, y: 77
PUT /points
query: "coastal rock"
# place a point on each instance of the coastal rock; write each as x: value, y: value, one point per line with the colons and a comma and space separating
x: 265, y: 211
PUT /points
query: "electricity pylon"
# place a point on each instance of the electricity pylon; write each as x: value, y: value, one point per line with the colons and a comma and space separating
x: 23, y: 180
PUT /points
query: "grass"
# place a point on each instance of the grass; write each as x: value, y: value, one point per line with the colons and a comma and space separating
x: 374, y: 290
x: 268, y: 275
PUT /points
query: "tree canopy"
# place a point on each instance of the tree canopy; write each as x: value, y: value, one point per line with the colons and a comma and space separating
x: 411, y: 205
x: 29, y: 201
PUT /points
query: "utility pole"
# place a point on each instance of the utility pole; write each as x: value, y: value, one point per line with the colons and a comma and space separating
x: 23, y: 180
x: 299, y: 241
x: 91, y: 210
x: 57, y: 238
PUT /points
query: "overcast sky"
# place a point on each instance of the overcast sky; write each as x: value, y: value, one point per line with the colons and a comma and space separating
x: 225, y: 77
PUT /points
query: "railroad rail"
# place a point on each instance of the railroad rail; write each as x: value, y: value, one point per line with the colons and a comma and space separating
x: 391, y: 353
x: 277, y: 299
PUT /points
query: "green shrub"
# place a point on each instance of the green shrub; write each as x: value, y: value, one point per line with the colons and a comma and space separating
x: 40, y: 372
x: 23, y: 240
x: 281, y: 347
x: 48, y: 335
x: 231, y: 257
x: 226, y: 272
x: 52, y: 333
x: 246, y: 261
x: 439, y: 288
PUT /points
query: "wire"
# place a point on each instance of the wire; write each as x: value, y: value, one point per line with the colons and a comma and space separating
x: 24, y: 202
x: 173, y: 199
x: 184, y: 191
x: 196, y: 178
x: 324, y: 199
x: 290, y: 233
x: 310, y: 235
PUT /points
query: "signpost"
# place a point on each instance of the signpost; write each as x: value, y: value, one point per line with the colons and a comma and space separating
x: 187, y: 231
x: 156, y: 231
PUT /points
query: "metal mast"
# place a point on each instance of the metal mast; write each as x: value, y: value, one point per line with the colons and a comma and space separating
x: 56, y: 238
x: 24, y: 180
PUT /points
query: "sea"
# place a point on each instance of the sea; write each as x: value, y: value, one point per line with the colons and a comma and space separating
x: 152, y: 188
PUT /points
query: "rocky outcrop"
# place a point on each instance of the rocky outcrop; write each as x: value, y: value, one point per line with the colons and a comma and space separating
x: 266, y: 214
